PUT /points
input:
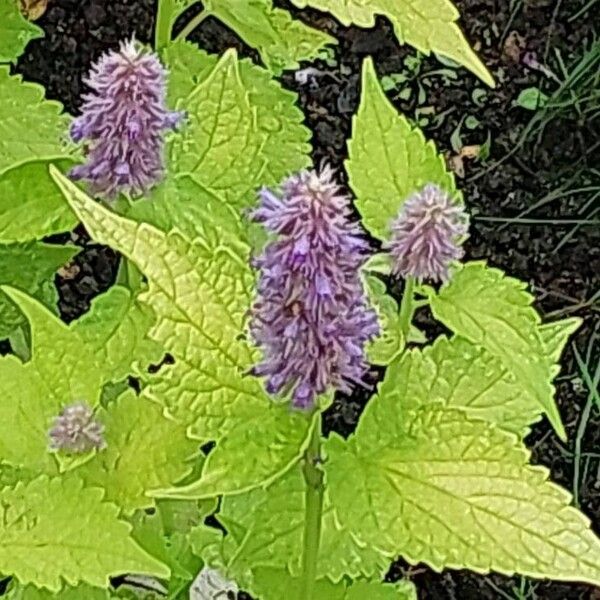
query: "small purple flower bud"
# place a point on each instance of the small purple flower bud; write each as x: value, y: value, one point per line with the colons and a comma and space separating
x: 76, y: 431
x: 311, y: 316
x: 124, y: 120
x: 427, y: 234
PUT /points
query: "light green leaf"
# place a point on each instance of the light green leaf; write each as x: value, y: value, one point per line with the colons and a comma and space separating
x: 484, y: 306
x: 457, y: 493
x: 200, y: 294
x: 29, y: 267
x: 463, y: 376
x: 373, y: 590
x: 281, y: 40
x: 44, y: 542
x: 556, y: 334
x: 389, y: 159
x: 31, y: 128
x: 116, y: 329
x: 390, y: 343
x: 429, y: 25
x: 81, y: 592
x: 31, y: 207
x: 144, y: 450
x: 15, y: 31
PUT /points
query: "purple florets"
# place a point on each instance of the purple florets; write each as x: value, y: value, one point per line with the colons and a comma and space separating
x: 124, y: 119
x: 311, y: 316
x: 76, y: 431
x: 427, y: 234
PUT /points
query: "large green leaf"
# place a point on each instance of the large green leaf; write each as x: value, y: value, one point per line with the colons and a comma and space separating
x: 15, y: 31
x: 62, y: 371
x: 455, y: 492
x: 200, y: 294
x: 484, y: 306
x: 281, y: 40
x: 30, y: 267
x: 54, y: 529
x: 428, y: 25
x: 555, y: 336
x: 116, y: 328
x: 81, y: 592
x: 144, y: 450
x: 389, y: 159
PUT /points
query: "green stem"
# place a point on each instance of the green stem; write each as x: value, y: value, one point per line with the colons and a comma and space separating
x: 164, y: 23
x: 313, y: 477
x: 192, y: 25
x: 407, y: 306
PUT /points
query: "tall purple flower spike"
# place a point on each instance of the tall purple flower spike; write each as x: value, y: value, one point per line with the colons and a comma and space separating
x: 76, y: 431
x: 124, y: 120
x: 311, y: 316
x: 427, y: 234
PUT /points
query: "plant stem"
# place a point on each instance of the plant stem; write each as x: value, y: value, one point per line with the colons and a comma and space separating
x: 192, y: 25
x: 407, y: 306
x: 313, y: 476
x: 164, y: 23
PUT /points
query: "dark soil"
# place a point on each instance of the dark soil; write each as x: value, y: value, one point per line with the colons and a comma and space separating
x: 521, y: 170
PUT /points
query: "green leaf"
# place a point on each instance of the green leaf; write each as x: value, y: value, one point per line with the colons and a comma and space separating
x: 401, y: 590
x: 116, y: 328
x: 531, y: 98
x: 144, y: 450
x: 281, y: 40
x: 30, y: 267
x: 32, y: 128
x: 390, y: 343
x: 31, y: 206
x: 484, y: 306
x: 555, y: 336
x: 454, y: 492
x: 15, y: 31
x: 244, y: 131
x: 80, y: 592
x: 62, y: 370
x: 429, y: 25
x: 265, y: 528
x: 463, y: 376
x: 43, y: 542
x: 200, y: 294
x: 389, y: 159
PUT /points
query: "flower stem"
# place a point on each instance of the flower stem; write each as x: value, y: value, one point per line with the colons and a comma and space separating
x: 164, y: 24
x: 192, y: 25
x: 407, y: 306
x: 313, y: 477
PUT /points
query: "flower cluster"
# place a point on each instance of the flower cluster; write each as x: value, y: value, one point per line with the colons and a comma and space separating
x: 124, y: 119
x: 311, y: 316
x: 76, y: 431
x: 427, y: 234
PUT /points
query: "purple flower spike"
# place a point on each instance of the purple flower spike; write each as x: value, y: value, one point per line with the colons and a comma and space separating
x: 427, y: 234
x: 311, y: 316
x: 124, y: 119
x: 76, y: 431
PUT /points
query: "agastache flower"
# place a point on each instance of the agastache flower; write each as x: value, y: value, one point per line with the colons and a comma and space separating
x: 124, y: 120
x: 311, y: 316
x: 76, y: 431
x: 427, y: 234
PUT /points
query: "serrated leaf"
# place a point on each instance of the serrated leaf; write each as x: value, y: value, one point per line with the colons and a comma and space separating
x: 556, y: 334
x: 429, y: 26
x: 32, y: 129
x: 390, y: 343
x: 281, y: 40
x: 492, y: 310
x: 200, y: 294
x: 389, y: 159
x: 462, y: 376
x: 62, y: 371
x: 44, y: 542
x: 15, y: 31
x: 144, y: 450
x: 31, y: 268
x: 30, y: 205
x: 116, y: 328
x: 80, y: 592
x: 455, y: 492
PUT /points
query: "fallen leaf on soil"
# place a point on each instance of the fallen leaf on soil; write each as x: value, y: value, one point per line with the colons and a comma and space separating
x: 456, y: 162
x: 69, y: 271
x: 514, y: 46
x: 33, y: 9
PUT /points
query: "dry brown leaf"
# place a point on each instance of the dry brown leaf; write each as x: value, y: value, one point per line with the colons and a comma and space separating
x: 33, y: 9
